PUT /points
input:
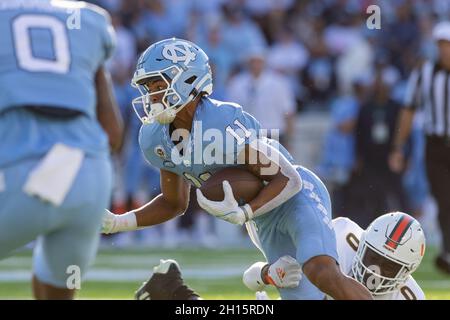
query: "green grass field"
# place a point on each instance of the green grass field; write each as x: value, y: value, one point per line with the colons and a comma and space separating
x: 214, y: 274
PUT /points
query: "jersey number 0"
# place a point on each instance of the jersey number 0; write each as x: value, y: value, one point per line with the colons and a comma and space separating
x: 21, y: 28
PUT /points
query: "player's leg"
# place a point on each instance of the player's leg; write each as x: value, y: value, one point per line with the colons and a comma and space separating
x: 61, y: 257
x: 22, y: 218
x: 42, y: 291
x: 280, y: 245
x: 311, y: 230
x: 166, y: 283
x: 300, y: 228
x: 274, y: 241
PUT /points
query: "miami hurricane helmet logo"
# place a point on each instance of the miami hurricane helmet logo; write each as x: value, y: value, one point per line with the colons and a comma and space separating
x: 178, y: 51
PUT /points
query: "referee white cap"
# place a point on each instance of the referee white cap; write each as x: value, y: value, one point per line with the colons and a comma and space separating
x: 441, y: 31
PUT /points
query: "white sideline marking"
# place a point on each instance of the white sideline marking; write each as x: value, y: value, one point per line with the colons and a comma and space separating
x: 122, y: 275
x: 125, y: 261
x: 116, y: 260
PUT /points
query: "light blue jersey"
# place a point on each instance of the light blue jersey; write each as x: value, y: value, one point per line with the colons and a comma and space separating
x: 50, y: 52
x: 220, y: 132
x: 52, y: 44
x: 300, y: 227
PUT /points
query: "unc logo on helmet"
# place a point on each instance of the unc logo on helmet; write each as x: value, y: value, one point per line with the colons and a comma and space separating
x: 171, y: 51
x: 185, y: 70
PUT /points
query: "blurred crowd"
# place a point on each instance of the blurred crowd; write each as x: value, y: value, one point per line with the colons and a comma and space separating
x: 279, y: 58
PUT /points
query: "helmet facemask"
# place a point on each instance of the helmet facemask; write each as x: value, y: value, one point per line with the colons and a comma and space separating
x: 377, y: 271
x: 171, y: 103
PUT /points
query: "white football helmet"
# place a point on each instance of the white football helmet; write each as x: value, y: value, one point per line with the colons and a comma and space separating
x: 390, y: 249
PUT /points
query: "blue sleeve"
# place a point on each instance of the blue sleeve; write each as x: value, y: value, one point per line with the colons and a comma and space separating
x: 109, y: 38
x: 107, y: 33
x: 145, y: 141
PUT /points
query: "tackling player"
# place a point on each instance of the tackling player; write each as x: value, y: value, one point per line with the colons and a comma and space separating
x: 291, y: 215
x: 55, y: 171
x: 382, y: 257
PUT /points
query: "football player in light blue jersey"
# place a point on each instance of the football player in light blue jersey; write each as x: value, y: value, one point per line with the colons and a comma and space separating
x: 189, y: 137
x: 56, y: 116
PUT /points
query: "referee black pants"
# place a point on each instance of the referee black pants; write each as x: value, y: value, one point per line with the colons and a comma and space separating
x: 438, y: 170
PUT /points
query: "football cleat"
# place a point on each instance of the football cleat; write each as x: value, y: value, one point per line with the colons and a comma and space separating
x: 166, y: 283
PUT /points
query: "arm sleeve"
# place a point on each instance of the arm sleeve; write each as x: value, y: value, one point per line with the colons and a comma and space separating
x: 294, y: 184
x: 242, y: 130
x: 109, y: 38
x: 410, y: 291
x: 102, y: 20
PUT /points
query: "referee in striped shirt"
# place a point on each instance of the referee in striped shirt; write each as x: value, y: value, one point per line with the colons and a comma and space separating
x: 429, y: 90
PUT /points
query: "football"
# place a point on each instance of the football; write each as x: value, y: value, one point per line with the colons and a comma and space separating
x: 245, y: 185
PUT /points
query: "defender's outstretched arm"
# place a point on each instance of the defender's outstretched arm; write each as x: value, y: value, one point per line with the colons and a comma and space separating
x: 324, y: 273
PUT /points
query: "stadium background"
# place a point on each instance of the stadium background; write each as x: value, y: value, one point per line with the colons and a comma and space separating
x: 328, y: 58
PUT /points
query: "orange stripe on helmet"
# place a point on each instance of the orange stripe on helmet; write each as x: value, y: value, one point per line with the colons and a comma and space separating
x: 399, y: 231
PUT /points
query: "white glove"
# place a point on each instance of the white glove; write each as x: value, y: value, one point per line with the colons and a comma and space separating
x: 228, y: 209
x: 108, y: 222
x: 112, y: 223
x: 252, y: 277
x: 286, y: 272
x: 262, y: 295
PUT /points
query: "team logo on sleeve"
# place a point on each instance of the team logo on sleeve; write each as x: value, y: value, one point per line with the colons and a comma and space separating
x: 178, y: 52
x: 159, y: 150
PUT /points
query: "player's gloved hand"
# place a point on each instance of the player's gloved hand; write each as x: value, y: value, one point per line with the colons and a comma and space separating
x: 262, y: 295
x: 286, y: 272
x: 112, y: 223
x: 228, y: 209
x: 108, y: 222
